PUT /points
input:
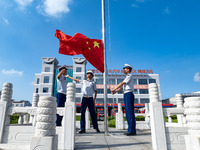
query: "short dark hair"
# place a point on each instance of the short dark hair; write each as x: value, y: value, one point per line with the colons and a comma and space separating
x: 128, y: 68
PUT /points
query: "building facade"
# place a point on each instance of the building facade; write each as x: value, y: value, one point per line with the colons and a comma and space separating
x: 46, y: 83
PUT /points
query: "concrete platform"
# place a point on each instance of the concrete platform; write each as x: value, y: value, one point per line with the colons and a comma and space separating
x: 116, y: 140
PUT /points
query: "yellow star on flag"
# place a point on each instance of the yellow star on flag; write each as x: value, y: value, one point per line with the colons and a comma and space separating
x: 96, y: 44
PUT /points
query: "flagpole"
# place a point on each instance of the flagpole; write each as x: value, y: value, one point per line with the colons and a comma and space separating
x: 105, y: 71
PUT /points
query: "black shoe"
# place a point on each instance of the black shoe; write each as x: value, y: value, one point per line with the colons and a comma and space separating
x: 82, y: 131
x: 97, y: 129
x: 131, y: 134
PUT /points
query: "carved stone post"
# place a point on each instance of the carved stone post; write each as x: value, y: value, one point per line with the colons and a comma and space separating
x: 192, y: 111
x: 70, y: 118
x: 5, y: 102
x: 119, y: 118
x: 157, y: 119
x: 34, y: 104
x: 45, y: 137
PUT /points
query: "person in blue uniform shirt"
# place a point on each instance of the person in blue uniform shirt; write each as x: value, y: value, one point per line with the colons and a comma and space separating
x: 88, y: 89
x: 61, y: 91
x: 128, y: 86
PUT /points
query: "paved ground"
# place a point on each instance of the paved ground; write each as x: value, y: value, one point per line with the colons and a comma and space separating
x: 97, y: 141
x: 116, y: 140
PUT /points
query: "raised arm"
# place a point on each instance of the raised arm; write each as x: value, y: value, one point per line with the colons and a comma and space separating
x: 77, y: 80
x: 60, y: 73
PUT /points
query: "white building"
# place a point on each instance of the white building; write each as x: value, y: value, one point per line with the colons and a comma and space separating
x: 46, y: 84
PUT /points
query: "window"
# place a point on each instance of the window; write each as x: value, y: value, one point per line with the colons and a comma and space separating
x: 144, y: 100
x: 119, y: 81
x: 78, y: 99
x: 142, y: 81
x: 47, y: 69
x: 135, y: 81
x: 111, y: 81
x: 99, y: 100
x: 45, y: 90
x: 99, y: 81
x: 38, y: 80
x: 46, y: 79
x: 152, y: 81
x: 108, y: 91
x: 79, y: 78
x: 120, y: 92
x: 78, y: 90
x: 111, y: 100
x: 135, y: 91
x: 36, y: 91
x: 100, y: 91
x: 136, y: 101
x: 78, y: 69
x: 144, y: 91
x: 121, y: 100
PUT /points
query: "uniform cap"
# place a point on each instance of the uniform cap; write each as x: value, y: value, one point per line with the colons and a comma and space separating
x: 90, y: 71
x: 127, y: 66
x: 62, y: 67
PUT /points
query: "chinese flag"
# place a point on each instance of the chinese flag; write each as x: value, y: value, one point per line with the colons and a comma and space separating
x: 91, y: 49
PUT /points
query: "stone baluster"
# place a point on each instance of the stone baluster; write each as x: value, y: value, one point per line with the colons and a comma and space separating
x: 70, y: 118
x: 169, y: 118
x: 192, y: 112
x: 147, y: 117
x: 157, y: 119
x: 5, y: 102
x: 179, y: 104
x: 34, y: 104
x: 119, y: 118
x: 45, y: 133
x: 21, y: 119
x: 87, y: 119
x: 25, y: 118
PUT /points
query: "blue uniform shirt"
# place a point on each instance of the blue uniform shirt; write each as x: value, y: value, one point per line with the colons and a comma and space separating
x: 88, y: 88
x: 129, y: 86
x: 62, y: 85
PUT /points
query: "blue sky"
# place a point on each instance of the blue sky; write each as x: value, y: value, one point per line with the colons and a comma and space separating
x: 162, y: 35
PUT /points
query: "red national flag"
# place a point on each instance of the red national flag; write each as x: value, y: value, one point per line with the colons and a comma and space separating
x: 91, y: 49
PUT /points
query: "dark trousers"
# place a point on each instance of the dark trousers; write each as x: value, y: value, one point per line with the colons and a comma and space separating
x: 88, y: 102
x: 130, y: 114
x: 61, y: 99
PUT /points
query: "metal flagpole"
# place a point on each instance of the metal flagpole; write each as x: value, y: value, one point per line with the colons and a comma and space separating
x: 105, y: 71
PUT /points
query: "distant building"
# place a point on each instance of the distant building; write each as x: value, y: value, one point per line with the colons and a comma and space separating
x: 46, y: 84
x: 22, y: 103
x: 172, y: 100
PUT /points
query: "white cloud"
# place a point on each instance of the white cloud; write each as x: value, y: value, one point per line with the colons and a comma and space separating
x: 167, y: 11
x: 23, y: 3
x: 134, y: 5
x: 12, y: 72
x: 197, y: 77
x: 5, y: 20
x: 54, y: 8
